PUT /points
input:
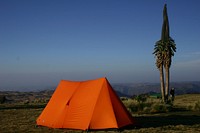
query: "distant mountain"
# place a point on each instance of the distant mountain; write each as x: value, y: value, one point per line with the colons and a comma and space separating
x: 121, y: 94
x: 129, y: 89
x: 186, y: 87
x: 142, y: 88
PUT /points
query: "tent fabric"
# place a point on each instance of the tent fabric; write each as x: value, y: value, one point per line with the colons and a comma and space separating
x: 84, y: 105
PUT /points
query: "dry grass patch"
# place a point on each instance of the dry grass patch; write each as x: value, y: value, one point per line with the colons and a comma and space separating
x: 188, y: 101
x: 24, y: 120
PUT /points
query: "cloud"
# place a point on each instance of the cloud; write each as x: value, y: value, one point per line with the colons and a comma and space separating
x: 187, y: 60
x: 196, y: 53
x: 190, y: 54
x: 186, y: 70
x: 188, y: 64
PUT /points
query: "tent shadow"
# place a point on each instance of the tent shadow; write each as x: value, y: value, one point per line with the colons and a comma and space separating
x: 159, y: 121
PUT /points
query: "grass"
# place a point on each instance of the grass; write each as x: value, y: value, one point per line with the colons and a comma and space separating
x: 24, y: 120
x: 187, y: 101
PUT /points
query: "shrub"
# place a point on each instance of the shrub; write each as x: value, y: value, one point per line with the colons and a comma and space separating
x: 190, y: 107
x: 141, y: 98
x: 160, y: 108
x: 133, y: 108
x: 2, y: 99
x: 147, y: 110
x: 143, y: 104
x: 197, y: 106
x: 137, y: 107
x: 130, y: 105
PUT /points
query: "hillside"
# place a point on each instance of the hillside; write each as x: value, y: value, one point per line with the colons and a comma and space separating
x: 141, y: 88
x: 122, y: 89
x: 33, y: 97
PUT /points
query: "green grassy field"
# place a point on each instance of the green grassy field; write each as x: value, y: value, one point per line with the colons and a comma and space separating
x: 23, y: 120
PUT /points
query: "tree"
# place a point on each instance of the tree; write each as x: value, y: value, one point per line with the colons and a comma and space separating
x: 159, y: 54
x: 164, y: 50
x: 171, y: 49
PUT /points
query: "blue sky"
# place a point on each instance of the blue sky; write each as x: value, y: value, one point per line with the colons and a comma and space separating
x: 44, y: 41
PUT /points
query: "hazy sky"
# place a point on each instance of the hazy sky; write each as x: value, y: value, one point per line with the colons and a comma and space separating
x: 44, y: 41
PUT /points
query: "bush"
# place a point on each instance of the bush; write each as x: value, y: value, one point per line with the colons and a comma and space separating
x: 133, y: 108
x: 147, y: 110
x: 141, y: 98
x: 143, y: 104
x: 137, y: 107
x: 190, y: 107
x: 130, y: 105
x: 2, y: 99
x: 160, y: 108
x: 197, y: 106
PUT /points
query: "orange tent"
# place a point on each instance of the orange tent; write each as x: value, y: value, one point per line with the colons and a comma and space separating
x: 85, y: 105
